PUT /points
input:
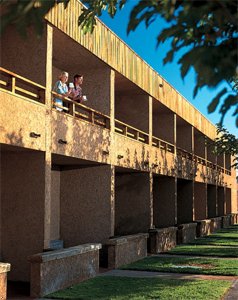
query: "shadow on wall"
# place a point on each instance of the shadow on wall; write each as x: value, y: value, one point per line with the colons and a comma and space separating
x: 14, y: 138
x: 82, y: 139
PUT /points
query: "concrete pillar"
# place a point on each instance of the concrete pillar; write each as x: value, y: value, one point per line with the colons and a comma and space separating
x: 132, y: 203
x: 86, y: 205
x: 184, y: 201
x: 200, y: 201
x: 164, y: 201
x: 48, y: 101
x: 211, y: 201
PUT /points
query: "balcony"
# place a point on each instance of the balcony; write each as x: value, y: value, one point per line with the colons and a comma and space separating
x: 74, y: 122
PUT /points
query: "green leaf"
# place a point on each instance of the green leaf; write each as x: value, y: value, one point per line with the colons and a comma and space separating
x: 215, y: 101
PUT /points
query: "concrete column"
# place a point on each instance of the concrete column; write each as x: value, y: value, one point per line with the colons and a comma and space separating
x: 200, y: 201
x: 150, y: 120
x: 132, y: 203
x: 184, y: 201
x: 211, y: 201
x: 164, y: 201
x: 151, y: 201
x: 112, y: 101
x: 48, y: 102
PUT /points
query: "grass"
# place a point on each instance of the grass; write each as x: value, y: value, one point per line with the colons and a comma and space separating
x: 224, y: 243
x: 121, y: 288
x: 208, y: 266
x: 205, y: 250
x: 223, y: 237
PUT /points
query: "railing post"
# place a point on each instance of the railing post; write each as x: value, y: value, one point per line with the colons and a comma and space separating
x: 13, y: 84
x: 125, y: 130
x: 72, y: 108
x: 93, y: 117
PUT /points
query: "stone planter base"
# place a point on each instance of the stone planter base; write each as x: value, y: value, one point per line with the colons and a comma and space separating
x: 226, y: 221
x: 234, y: 218
x: 4, y: 268
x: 55, y: 270
x: 203, y: 227
x: 216, y: 224
x: 186, y: 233
x: 162, y: 240
x: 124, y: 250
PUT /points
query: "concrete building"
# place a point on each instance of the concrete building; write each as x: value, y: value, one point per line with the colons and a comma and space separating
x: 135, y: 157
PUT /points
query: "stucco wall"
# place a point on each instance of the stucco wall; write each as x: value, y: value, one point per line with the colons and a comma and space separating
x: 132, y: 203
x: 184, y: 137
x: 133, y: 109
x: 184, y: 201
x: 27, y: 59
x: 85, y: 205
x: 220, y: 200
x: 18, y: 118
x: 200, y: 201
x: 22, y: 215
x: 199, y: 144
x: 163, y: 126
x: 96, y: 86
x: 228, y: 205
x: 164, y: 201
x: 211, y: 201
x: 84, y: 140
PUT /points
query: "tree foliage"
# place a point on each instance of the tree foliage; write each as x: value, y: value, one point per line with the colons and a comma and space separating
x: 226, y: 143
x: 206, y: 29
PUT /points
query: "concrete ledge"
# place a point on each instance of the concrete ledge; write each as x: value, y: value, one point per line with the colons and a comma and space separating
x: 215, y: 224
x: 162, y: 239
x: 186, y: 233
x: 4, y: 268
x: 203, y: 227
x: 226, y: 221
x: 124, y: 250
x: 55, y: 270
x: 234, y: 218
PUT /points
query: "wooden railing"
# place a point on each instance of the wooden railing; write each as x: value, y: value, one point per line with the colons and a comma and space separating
x: 162, y: 144
x: 21, y: 86
x: 211, y: 165
x: 184, y: 154
x: 81, y: 111
x: 200, y: 160
x: 227, y: 172
x: 131, y: 132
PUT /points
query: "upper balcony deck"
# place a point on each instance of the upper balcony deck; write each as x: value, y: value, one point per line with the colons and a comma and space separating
x: 82, y: 132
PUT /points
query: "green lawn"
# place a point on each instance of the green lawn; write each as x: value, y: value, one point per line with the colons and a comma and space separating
x: 121, y: 288
x: 205, y: 250
x: 223, y: 237
x: 186, y: 265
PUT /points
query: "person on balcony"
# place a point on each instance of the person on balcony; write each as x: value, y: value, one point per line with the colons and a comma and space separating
x: 76, y: 91
x: 62, y: 89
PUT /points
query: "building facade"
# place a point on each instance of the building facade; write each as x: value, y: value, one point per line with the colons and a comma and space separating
x: 134, y: 157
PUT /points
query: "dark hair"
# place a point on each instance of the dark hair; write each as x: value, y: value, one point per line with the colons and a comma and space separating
x: 77, y: 76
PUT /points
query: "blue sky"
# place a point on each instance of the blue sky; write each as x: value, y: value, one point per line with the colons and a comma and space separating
x: 143, y: 42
